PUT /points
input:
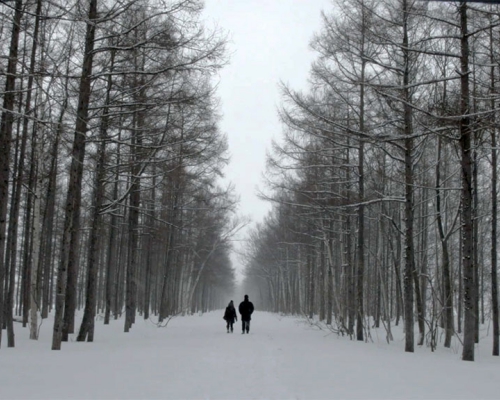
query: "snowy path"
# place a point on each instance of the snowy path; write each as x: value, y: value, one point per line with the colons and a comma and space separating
x: 194, y: 358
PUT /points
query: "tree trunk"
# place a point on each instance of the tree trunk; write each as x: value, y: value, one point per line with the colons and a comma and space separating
x: 16, y: 197
x: 150, y: 249
x: 88, y: 321
x: 410, y: 274
x: 48, y: 221
x: 113, y: 251
x: 360, y: 271
x: 169, y: 254
x: 475, y: 232
x: 35, y: 262
x: 87, y: 325
x: 494, y: 209
x: 470, y: 294
x: 494, y: 261
x: 6, y: 124
x: 27, y: 248
x: 66, y: 270
x: 447, y: 288
x: 310, y: 282
x: 135, y: 199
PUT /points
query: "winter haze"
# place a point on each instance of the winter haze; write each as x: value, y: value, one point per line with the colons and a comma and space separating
x: 249, y: 199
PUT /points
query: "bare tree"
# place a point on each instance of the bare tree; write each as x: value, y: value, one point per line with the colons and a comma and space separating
x: 7, y: 120
x: 67, y: 264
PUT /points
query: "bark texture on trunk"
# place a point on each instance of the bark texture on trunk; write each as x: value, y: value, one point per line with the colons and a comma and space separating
x: 469, y: 294
x: 72, y: 207
x: 6, y: 126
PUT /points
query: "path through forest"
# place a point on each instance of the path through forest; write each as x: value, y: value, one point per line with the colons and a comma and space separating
x: 194, y: 358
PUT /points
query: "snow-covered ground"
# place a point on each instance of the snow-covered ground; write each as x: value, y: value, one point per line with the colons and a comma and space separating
x: 281, y: 358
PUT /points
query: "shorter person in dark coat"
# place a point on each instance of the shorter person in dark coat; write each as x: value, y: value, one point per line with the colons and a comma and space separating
x: 246, y: 310
x: 230, y: 316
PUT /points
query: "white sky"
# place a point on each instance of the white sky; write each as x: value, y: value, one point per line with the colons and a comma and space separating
x: 269, y: 43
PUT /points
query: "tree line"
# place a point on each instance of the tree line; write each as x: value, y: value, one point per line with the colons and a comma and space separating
x: 384, y: 182
x: 110, y: 164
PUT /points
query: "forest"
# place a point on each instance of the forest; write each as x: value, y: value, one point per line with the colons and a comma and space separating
x: 384, y: 180
x: 111, y: 159
x: 383, y: 183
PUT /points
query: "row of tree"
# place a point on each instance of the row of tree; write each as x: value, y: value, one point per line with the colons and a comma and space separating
x: 110, y: 162
x: 384, y: 185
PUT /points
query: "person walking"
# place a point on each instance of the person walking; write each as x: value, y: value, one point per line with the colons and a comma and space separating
x: 246, y: 310
x: 230, y: 316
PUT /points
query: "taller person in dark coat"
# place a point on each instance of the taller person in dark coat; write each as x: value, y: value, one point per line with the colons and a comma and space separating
x: 246, y: 310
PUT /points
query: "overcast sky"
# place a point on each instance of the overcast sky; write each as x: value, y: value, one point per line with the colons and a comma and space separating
x: 268, y: 43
